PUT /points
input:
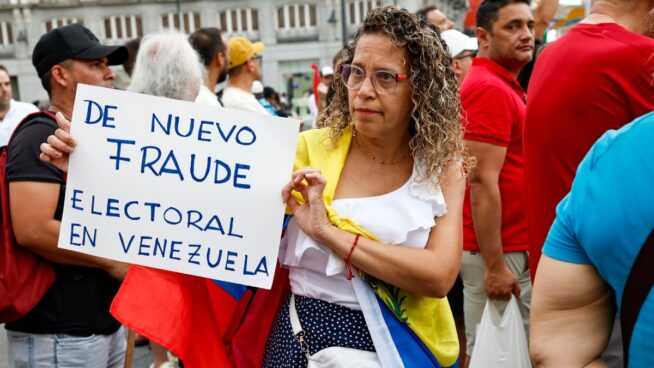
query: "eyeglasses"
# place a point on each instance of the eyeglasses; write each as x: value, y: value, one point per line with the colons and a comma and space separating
x: 383, y: 81
x: 464, y: 55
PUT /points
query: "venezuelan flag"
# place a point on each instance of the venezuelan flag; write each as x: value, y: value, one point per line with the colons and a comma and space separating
x: 188, y: 315
x: 204, y: 322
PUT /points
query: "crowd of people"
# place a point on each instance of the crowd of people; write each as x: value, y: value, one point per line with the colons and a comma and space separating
x: 436, y: 156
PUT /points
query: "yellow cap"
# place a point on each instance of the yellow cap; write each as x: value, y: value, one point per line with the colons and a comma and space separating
x: 241, y: 50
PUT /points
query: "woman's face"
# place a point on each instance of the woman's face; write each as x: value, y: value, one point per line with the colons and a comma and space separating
x: 376, y: 114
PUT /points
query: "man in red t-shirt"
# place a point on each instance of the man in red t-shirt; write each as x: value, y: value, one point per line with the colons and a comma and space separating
x: 495, y: 262
x: 597, y: 77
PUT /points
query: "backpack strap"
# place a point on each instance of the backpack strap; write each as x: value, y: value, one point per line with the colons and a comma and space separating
x: 28, y: 118
x: 636, y: 289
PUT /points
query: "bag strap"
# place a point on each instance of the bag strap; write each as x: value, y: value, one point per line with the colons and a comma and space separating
x: 636, y: 289
x: 42, y: 113
x: 27, y: 119
x: 298, y: 332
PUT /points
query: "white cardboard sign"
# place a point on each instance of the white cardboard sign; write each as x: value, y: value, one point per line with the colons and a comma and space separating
x: 177, y: 185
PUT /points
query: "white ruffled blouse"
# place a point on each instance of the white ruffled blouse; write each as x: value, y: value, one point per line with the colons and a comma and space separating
x: 402, y: 217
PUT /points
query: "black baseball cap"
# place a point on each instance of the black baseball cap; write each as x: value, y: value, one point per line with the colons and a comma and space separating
x: 73, y: 42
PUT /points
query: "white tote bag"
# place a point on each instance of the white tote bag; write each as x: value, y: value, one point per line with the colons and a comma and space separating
x: 501, y: 340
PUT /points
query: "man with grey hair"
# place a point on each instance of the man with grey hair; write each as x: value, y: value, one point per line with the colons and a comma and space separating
x: 167, y: 66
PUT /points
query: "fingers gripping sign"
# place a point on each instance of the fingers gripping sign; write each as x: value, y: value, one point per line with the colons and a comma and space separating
x: 59, y: 145
x: 310, y: 213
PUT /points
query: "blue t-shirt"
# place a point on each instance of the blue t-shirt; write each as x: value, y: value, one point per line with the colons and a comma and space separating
x: 268, y: 106
x: 608, y: 215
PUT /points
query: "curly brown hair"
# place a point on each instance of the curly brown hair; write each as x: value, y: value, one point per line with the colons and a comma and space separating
x: 435, y: 125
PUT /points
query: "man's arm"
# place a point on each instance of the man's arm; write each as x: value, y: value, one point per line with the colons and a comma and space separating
x: 543, y: 15
x: 32, y: 206
x: 486, y: 206
x: 570, y: 326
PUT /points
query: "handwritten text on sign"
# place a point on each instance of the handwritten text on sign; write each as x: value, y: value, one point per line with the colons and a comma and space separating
x: 177, y: 185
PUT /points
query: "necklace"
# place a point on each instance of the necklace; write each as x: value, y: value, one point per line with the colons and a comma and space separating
x: 373, y: 157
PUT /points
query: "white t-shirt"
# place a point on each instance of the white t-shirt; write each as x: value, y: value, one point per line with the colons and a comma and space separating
x: 402, y: 217
x: 17, y: 111
x: 236, y: 98
x: 206, y: 97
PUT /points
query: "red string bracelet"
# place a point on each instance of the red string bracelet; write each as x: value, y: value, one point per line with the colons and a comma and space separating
x: 347, y: 259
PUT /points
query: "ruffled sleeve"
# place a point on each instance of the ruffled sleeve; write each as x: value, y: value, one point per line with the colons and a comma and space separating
x: 409, y: 216
x: 427, y: 190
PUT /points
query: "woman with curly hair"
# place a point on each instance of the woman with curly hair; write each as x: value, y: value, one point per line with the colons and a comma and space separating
x: 375, y: 241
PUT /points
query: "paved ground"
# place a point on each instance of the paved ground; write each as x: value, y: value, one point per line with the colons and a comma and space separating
x: 3, y: 347
x: 141, y: 359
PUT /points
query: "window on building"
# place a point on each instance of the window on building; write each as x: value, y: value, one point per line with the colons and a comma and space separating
x: 123, y: 27
x: 6, y: 34
x: 239, y: 21
x: 297, y: 16
x: 186, y: 22
x: 280, y: 18
x: 255, y: 20
x: 60, y: 22
x: 359, y: 9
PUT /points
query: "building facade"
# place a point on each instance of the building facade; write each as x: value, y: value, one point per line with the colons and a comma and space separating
x: 297, y: 33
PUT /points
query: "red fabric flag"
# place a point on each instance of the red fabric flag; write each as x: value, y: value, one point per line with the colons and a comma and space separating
x: 198, y: 320
x: 316, y: 81
x: 188, y: 315
x: 249, y: 341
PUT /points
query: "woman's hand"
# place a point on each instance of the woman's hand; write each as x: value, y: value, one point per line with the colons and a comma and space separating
x: 311, y: 215
x: 60, y: 145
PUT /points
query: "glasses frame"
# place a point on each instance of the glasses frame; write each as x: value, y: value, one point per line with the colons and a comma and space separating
x: 398, y: 78
x: 466, y: 53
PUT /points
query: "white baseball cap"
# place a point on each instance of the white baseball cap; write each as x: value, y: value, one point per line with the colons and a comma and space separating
x: 257, y: 87
x: 458, y: 42
x: 326, y: 70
